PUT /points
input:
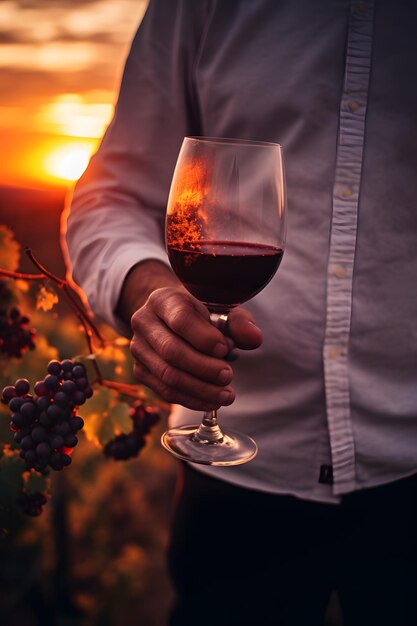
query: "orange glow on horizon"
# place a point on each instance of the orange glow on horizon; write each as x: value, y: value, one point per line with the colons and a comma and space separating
x: 68, y: 162
x: 71, y: 115
x: 55, y: 146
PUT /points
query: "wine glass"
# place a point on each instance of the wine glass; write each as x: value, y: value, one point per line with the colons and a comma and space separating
x: 225, y: 237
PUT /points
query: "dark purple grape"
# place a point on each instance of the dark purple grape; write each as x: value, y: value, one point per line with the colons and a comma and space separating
x: 124, y: 447
x: 15, y: 336
x: 31, y: 456
x: 78, y: 370
x: 68, y: 387
x: 39, y: 434
x: 9, y: 392
x: 78, y: 398
x: 55, y: 412
x: 76, y: 423
x: 67, y: 365
x: 61, y: 399
x: 54, y: 368
x: 45, y: 419
x: 116, y: 450
x: 43, y: 450
x: 62, y: 428
x: 32, y: 503
x: 28, y: 409
x: 22, y: 386
x: 56, y: 462
x: 43, y: 403
x: 88, y: 392
x: 18, y: 420
x: 15, y: 404
x: 57, y: 442
x: 71, y: 441
x: 18, y: 436
x: 133, y: 443
x: 40, y: 388
x: 82, y: 383
x: 27, y: 443
x: 66, y: 460
x: 52, y: 382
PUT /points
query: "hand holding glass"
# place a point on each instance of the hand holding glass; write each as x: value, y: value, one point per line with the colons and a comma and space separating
x: 225, y: 236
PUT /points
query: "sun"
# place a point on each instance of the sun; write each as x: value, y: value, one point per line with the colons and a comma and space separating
x: 69, y: 161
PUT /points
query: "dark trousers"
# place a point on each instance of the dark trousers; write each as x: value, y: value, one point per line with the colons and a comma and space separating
x: 239, y: 557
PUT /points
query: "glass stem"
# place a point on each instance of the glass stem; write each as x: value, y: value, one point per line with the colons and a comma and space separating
x: 209, y: 430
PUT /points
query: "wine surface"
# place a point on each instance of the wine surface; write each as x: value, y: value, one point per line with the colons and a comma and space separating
x: 225, y: 272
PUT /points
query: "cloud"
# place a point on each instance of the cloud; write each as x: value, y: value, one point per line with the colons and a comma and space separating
x: 54, y: 47
x: 86, y: 20
x: 34, y: 4
x: 30, y: 88
x: 55, y: 56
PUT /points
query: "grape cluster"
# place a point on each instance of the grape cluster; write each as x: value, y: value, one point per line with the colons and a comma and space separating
x: 15, y: 335
x: 45, y: 424
x: 32, y: 503
x: 124, y: 447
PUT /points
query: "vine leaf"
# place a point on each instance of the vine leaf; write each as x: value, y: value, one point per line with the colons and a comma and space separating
x: 9, y: 249
x: 46, y: 298
x: 106, y: 423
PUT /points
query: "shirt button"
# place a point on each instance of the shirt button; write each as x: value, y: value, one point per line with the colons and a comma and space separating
x: 340, y: 272
x: 345, y: 192
x: 361, y: 7
x: 335, y: 352
x: 353, y: 106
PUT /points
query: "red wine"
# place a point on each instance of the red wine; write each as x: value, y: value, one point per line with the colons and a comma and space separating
x: 225, y: 272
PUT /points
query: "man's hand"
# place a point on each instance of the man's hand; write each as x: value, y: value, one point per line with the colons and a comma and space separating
x: 178, y: 352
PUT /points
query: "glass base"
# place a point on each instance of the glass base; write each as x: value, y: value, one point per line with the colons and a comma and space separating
x: 232, y: 449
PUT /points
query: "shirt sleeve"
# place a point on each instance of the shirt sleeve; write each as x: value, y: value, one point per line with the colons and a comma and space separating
x: 117, y: 212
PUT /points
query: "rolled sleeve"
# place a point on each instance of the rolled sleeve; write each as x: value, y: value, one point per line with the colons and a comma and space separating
x: 117, y: 212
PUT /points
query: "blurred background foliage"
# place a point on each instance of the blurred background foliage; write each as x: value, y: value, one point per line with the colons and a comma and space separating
x: 96, y: 554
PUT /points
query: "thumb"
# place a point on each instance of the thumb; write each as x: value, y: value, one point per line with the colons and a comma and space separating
x: 243, y: 330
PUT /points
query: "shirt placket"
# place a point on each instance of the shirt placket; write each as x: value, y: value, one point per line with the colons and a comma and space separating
x: 346, y: 187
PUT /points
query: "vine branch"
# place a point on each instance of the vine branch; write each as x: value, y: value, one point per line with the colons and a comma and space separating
x: 88, y: 325
x: 64, y: 286
x: 21, y: 276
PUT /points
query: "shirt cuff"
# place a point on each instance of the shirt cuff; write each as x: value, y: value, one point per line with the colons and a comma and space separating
x: 103, y: 296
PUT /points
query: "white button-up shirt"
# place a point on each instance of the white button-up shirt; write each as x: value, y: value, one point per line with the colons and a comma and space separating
x: 331, y: 396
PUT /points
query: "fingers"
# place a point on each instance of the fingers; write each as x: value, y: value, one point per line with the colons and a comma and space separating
x: 179, y: 387
x: 176, y: 351
x: 188, y: 318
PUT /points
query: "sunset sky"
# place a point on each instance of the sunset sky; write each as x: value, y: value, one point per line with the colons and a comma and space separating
x: 60, y: 66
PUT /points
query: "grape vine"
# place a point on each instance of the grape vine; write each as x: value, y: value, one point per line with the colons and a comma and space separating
x: 15, y: 335
x: 126, y: 446
x: 45, y: 422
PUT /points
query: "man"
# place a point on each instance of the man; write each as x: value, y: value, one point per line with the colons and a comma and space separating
x: 330, y: 500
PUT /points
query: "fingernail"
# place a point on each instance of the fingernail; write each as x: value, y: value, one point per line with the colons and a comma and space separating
x: 220, y: 350
x: 224, y: 376
x: 225, y: 396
